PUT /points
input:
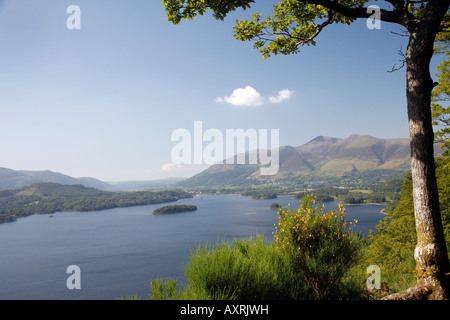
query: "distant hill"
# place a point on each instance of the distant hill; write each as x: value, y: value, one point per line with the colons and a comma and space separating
x: 320, y: 158
x: 355, y: 154
x: 13, y: 179
x: 142, y: 185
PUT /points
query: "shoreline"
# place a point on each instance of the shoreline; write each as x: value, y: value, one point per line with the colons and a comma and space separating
x: 368, y: 204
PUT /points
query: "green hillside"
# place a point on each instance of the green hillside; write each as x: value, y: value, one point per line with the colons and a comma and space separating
x: 322, y: 159
x: 222, y: 174
x: 49, y: 197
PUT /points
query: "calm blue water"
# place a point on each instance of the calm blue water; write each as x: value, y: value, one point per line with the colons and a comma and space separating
x: 120, y: 250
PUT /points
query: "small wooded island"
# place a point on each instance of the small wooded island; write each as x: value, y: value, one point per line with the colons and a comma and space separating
x: 275, y: 206
x: 175, y: 209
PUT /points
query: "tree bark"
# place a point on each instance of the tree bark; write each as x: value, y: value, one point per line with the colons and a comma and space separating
x: 432, y: 263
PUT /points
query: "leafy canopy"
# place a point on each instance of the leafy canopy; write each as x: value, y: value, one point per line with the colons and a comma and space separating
x: 297, y: 23
x: 292, y: 25
x: 441, y: 94
x: 189, y: 9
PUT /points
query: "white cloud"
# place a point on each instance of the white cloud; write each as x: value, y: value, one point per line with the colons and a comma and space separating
x: 247, y: 96
x: 284, y: 94
x: 250, y: 97
x: 169, y: 167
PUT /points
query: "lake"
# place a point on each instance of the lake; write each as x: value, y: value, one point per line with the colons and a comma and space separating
x: 120, y: 250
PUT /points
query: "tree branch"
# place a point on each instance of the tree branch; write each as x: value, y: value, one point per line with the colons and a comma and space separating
x: 404, y: 34
x: 319, y: 28
x: 397, y: 3
x: 415, y: 1
x: 403, y: 61
x: 395, y: 16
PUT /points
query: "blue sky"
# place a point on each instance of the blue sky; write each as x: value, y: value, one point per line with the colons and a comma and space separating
x: 104, y: 100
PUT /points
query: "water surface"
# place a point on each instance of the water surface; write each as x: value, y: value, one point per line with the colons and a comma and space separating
x: 120, y: 250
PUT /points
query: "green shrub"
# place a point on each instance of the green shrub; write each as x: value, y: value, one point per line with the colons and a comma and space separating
x: 246, y: 270
x: 163, y: 290
x: 249, y: 269
x: 319, y: 245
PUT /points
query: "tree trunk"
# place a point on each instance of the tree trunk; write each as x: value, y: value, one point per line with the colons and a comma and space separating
x: 432, y: 263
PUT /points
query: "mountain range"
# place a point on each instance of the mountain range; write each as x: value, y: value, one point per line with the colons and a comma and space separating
x: 322, y: 157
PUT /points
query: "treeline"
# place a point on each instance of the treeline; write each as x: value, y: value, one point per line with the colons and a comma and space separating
x: 324, y: 194
x: 43, y: 198
x: 360, y: 180
x: 383, y: 192
x: 260, y: 194
x: 360, y: 198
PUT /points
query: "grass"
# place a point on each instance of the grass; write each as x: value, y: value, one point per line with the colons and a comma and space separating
x: 243, y: 269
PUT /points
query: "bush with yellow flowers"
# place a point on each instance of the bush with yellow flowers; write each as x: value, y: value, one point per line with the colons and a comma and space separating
x: 320, y: 245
